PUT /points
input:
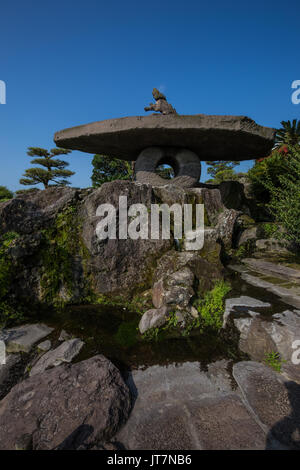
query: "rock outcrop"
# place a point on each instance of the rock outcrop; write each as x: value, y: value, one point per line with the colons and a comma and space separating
x: 69, y: 407
x: 52, y: 251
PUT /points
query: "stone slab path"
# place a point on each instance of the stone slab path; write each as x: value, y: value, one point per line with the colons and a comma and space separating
x: 276, y: 278
x: 182, y: 407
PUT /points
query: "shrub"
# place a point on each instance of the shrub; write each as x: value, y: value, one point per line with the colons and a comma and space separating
x: 274, y: 361
x: 285, y: 198
x: 271, y: 167
x: 5, y: 194
x: 211, y: 307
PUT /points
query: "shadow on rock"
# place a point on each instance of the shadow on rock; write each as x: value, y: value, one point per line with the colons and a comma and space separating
x: 77, y: 438
x: 287, y: 430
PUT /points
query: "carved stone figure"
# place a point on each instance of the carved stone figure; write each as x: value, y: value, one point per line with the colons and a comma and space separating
x: 161, y: 105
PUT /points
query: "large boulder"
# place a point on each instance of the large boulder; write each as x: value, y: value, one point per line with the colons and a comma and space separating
x: 34, y: 210
x: 69, y: 407
x: 119, y: 265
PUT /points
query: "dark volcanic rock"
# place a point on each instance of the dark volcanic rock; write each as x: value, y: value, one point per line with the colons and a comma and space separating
x: 68, y: 407
x: 32, y: 211
x: 57, y: 257
x: 119, y: 265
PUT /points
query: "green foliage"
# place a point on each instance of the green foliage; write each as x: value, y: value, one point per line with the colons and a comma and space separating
x: 270, y: 230
x: 246, y: 249
x: 211, y: 307
x: 61, y: 245
x: 221, y: 171
x: 270, y: 169
x: 288, y: 134
x: 136, y: 304
x: 151, y: 334
x: 5, y: 194
x: 22, y: 192
x: 8, y: 313
x: 53, y: 169
x: 165, y: 172
x: 285, y: 198
x: 274, y: 361
x: 109, y: 169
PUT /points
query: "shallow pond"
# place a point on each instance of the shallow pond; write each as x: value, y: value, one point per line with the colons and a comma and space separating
x: 113, y: 331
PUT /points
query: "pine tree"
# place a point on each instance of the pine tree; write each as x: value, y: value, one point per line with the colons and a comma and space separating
x: 109, y: 169
x: 53, y: 168
x: 221, y: 171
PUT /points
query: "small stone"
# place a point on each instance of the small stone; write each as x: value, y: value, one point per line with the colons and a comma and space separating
x: 64, y: 353
x: 153, y: 318
x: 64, y: 336
x: 194, y: 312
x: 45, y: 346
x: 22, y: 338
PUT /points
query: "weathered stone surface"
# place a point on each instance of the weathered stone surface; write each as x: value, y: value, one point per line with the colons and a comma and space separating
x: 210, y: 137
x: 45, y: 345
x: 64, y: 336
x: 291, y: 371
x: 272, y: 245
x: 32, y: 211
x: 246, y: 235
x: 254, y: 339
x: 225, y: 226
x: 241, y: 305
x: 186, y: 165
x: 284, y: 330
x: 68, y: 407
x: 279, y: 280
x: 275, y: 402
x: 176, y: 289
x: 224, y: 423
x: 211, y: 198
x: 233, y: 196
x: 65, y: 352
x: 185, y: 408
x: 9, y: 372
x: 153, y: 318
x: 205, y: 272
x: 259, y: 337
x: 119, y: 265
x: 22, y: 338
x: 278, y: 270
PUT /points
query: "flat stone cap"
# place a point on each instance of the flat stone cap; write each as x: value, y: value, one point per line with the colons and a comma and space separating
x: 210, y: 137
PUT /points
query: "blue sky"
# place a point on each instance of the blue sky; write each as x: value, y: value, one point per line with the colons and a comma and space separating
x: 67, y: 63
